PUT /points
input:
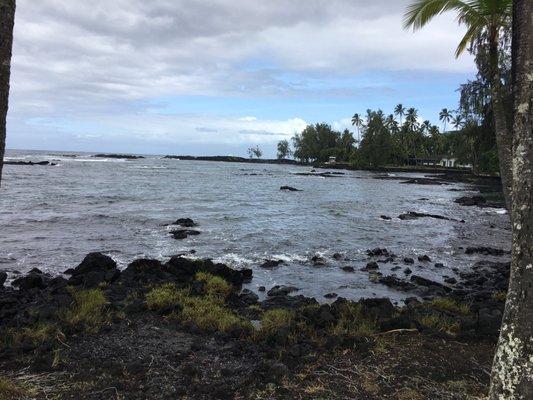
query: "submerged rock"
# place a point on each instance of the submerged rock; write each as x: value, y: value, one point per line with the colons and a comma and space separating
x: 348, y: 269
x: 289, y: 189
x: 183, y: 233
x: 185, y: 222
x: 371, y: 266
x: 269, y: 264
x: 471, y: 201
x: 488, y: 251
x: 396, y: 283
x: 281, y: 290
x: 411, y: 215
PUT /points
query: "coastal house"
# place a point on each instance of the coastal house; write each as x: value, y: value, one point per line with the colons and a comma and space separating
x: 438, y: 161
x: 331, y: 160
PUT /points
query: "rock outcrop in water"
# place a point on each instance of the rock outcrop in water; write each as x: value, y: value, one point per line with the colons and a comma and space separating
x: 43, y: 163
x: 122, y: 156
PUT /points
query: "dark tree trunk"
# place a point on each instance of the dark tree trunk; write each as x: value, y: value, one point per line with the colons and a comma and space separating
x: 7, y: 21
x: 504, y: 137
x: 512, y: 372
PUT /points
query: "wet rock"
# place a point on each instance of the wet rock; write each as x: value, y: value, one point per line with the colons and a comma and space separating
x: 261, y: 288
x: 93, y: 270
x: 407, y: 271
x: 415, y: 215
x: 450, y: 280
x: 439, y: 265
x: 290, y: 189
x: 424, y: 258
x: 423, y: 181
x: 337, y: 256
x: 3, y: 278
x: 396, y: 268
x: 471, y: 201
x: 396, y: 283
x: 427, y: 282
x: 348, y: 269
x: 185, y: 269
x: 317, y: 260
x: 185, y: 222
x: 377, y: 252
x: 248, y: 297
x: 488, y: 251
x: 269, y: 264
x: 330, y: 295
x: 288, y: 302
x: 281, y: 290
x: 183, y: 233
x: 408, y: 260
x: 35, y: 279
x: 385, y: 217
x: 371, y: 266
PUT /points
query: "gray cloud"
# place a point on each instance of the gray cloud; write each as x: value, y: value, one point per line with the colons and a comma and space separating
x: 84, y: 60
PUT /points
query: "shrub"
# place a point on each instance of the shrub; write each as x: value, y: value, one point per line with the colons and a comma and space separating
x: 215, y: 286
x: 88, y: 309
x: 450, y: 305
x: 440, y: 323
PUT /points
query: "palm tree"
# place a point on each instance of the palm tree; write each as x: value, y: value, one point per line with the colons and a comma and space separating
x: 436, y: 139
x: 7, y: 21
x: 458, y: 121
x: 482, y: 18
x: 399, y: 110
x: 426, y: 126
x: 445, y: 116
x: 357, y: 121
x: 511, y: 370
x: 411, y: 118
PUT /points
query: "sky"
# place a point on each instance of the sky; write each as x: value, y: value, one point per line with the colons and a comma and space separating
x: 215, y: 77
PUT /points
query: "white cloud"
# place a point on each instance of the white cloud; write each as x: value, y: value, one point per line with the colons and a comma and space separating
x: 106, y: 61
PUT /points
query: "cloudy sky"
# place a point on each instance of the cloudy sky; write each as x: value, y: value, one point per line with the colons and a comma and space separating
x: 217, y: 76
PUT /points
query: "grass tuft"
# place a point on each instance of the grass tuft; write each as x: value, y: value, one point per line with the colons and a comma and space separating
x: 215, y: 286
x: 163, y: 296
x: 88, y: 310
x: 11, y: 390
x: 353, y: 323
x: 274, y: 320
x: 450, y: 305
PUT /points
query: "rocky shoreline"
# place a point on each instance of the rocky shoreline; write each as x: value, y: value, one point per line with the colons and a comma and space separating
x: 186, y: 329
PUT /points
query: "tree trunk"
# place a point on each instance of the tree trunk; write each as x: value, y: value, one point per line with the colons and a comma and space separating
x: 512, y: 371
x: 503, y: 133
x: 7, y: 21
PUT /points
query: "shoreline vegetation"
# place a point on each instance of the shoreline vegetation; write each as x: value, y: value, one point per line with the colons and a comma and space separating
x: 185, y: 328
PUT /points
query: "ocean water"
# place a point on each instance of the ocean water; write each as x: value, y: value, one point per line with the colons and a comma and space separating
x: 52, y: 216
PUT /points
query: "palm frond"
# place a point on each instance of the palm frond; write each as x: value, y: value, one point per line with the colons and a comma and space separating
x: 420, y: 12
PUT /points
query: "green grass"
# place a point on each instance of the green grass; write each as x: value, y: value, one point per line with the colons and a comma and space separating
x: 88, y: 310
x: 163, y: 296
x: 440, y: 323
x: 450, y: 305
x: 273, y: 320
x: 36, y: 334
x: 11, y: 390
x: 353, y: 323
x: 207, y: 312
x: 215, y: 286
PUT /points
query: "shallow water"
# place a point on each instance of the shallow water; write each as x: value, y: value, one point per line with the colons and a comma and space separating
x: 50, y: 217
